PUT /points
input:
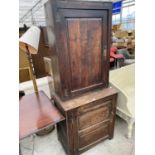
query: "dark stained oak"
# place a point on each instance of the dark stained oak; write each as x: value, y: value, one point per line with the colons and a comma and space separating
x: 79, y: 35
x: 35, y: 113
x: 84, y: 99
x: 84, y: 51
x: 90, y: 118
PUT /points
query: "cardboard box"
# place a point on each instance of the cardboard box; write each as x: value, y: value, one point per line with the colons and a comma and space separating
x: 133, y: 42
x: 116, y: 27
x: 121, y: 34
x: 114, y: 44
x: 121, y: 44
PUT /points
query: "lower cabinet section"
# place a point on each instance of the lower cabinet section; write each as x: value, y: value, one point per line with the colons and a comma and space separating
x: 87, y: 124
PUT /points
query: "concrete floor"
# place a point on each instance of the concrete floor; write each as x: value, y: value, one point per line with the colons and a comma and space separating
x: 49, y: 145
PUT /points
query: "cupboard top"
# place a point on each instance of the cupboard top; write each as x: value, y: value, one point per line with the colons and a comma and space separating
x: 68, y: 4
x: 85, y: 98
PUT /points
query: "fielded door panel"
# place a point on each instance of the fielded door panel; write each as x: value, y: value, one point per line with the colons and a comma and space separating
x: 83, y: 44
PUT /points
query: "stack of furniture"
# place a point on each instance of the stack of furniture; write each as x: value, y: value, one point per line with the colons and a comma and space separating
x: 121, y: 57
x: 79, y: 34
x: 123, y: 39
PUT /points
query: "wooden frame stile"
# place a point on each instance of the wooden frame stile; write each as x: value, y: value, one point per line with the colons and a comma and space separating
x: 113, y: 117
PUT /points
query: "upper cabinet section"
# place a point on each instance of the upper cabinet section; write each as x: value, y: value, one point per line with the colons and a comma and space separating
x: 80, y: 54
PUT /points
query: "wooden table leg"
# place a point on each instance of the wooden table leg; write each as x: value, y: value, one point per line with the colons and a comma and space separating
x: 20, y: 152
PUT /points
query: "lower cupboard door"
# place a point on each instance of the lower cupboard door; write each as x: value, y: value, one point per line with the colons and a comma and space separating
x: 93, y: 136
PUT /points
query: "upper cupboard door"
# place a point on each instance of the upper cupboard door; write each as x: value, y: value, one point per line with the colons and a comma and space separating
x: 85, y: 47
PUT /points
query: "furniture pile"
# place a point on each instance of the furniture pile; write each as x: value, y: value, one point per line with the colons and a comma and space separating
x: 121, y: 57
x: 123, y: 46
x: 123, y: 39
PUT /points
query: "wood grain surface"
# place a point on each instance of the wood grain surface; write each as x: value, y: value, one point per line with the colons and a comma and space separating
x: 86, y: 98
x: 80, y: 52
x: 85, y: 51
x: 90, y: 119
x: 35, y: 113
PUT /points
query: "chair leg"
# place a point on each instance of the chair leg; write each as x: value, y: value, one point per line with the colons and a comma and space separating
x: 33, y: 144
x: 20, y: 152
x: 130, y: 128
x: 120, y: 62
x: 115, y: 63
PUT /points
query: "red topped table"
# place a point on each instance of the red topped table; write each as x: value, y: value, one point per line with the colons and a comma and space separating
x: 35, y: 113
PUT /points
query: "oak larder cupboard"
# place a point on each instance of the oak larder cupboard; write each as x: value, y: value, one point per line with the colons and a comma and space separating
x: 79, y: 34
